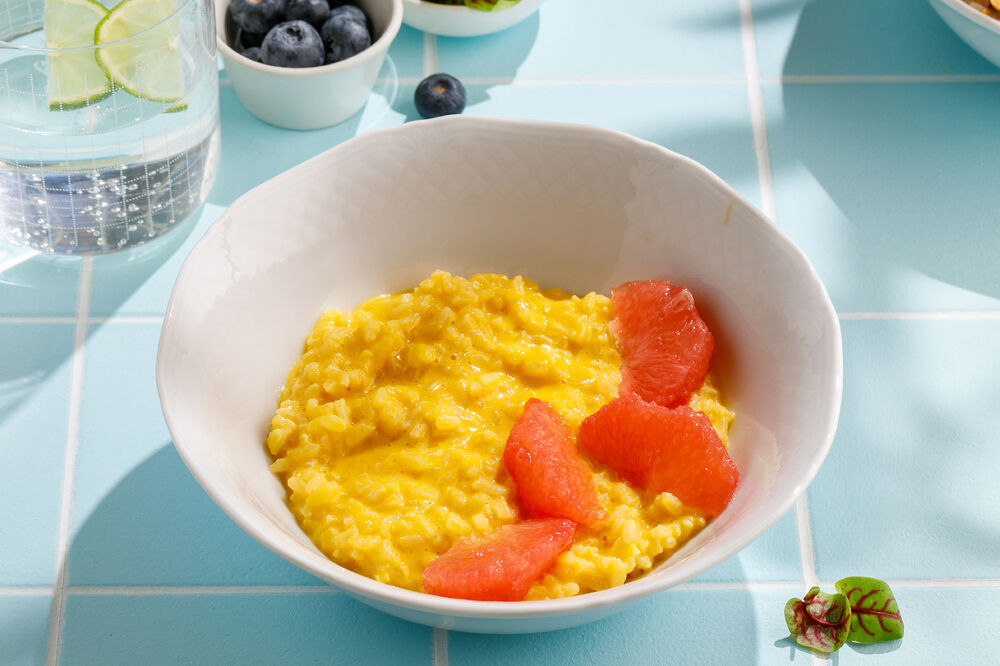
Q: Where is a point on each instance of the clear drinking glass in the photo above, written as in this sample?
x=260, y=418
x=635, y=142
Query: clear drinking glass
x=104, y=146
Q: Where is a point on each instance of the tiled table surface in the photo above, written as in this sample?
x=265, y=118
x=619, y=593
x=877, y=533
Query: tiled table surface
x=865, y=128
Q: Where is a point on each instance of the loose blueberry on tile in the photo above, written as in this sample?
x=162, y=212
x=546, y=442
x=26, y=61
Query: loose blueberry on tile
x=313, y=12
x=292, y=44
x=257, y=16
x=439, y=95
x=253, y=53
x=344, y=36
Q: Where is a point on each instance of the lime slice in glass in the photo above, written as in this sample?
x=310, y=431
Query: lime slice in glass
x=74, y=77
x=148, y=63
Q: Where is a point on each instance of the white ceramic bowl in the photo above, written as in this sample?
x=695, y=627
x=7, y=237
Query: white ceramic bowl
x=976, y=29
x=459, y=21
x=309, y=97
x=568, y=206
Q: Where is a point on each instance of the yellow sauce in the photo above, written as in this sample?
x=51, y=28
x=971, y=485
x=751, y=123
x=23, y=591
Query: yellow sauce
x=390, y=429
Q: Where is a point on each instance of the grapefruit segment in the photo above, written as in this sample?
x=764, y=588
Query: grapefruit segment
x=666, y=346
x=551, y=479
x=502, y=565
x=660, y=449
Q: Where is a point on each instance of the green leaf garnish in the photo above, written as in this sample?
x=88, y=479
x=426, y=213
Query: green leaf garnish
x=862, y=610
x=481, y=5
x=491, y=5
x=874, y=612
x=819, y=621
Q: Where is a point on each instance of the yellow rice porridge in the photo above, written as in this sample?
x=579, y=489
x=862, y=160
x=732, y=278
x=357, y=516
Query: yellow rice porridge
x=390, y=429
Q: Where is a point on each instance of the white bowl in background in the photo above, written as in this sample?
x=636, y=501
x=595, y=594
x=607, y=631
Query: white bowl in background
x=309, y=97
x=460, y=21
x=976, y=29
x=568, y=206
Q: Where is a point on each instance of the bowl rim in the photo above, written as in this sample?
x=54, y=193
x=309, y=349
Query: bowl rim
x=966, y=10
x=379, y=45
x=382, y=593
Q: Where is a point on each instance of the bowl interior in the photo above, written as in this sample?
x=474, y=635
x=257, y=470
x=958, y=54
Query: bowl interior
x=566, y=206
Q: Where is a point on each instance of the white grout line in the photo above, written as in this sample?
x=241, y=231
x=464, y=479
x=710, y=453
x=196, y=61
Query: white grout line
x=740, y=586
x=807, y=555
x=758, y=117
x=128, y=319
x=25, y=591
x=208, y=590
x=430, y=55
x=57, y=615
x=931, y=583
x=686, y=80
x=440, y=647
x=197, y=590
x=37, y=320
x=962, y=314
x=882, y=78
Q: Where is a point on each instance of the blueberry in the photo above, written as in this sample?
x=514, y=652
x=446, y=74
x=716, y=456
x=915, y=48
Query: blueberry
x=292, y=44
x=354, y=12
x=439, y=95
x=313, y=12
x=253, y=53
x=249, y=39
x=257, y=16
x=344, y=37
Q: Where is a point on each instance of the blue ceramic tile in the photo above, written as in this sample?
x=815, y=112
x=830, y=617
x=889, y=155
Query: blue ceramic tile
x=774, y=556
x=34, y=401
x=675, y=627
x=884, y=188
x=909, y=488
x=253, y=151
x=24, y=630
x=33, y=285
x=941, y=626
x=859, y=37
x=406, y=55
x=709, y=123
x=594, y=38
x=139, y=517
x=238, y=629
x=139, y=281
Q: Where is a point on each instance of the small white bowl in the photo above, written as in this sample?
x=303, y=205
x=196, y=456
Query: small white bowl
x=568, y=206
x=976, y=29
x=459, y=21
x=310, y=97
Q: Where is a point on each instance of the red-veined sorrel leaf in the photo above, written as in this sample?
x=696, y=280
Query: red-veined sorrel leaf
x=490, y=5
x=874, y=613
x=819, y=621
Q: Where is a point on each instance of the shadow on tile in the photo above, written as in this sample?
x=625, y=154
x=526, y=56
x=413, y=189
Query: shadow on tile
x=514, y=44
x=24, y=630
x=888, y=37
x=668, y=628
x=900, y=161
x=158, y=527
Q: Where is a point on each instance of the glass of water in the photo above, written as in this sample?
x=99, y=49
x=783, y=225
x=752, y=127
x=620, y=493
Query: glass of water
x=109, y=120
